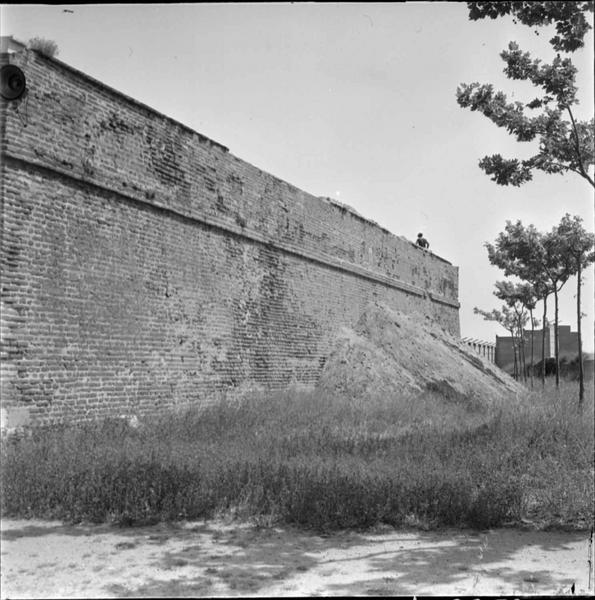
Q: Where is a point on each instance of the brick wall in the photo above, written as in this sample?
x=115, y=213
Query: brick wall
x=145, y=267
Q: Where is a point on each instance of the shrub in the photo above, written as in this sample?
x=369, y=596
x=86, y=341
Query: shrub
x=48, y=48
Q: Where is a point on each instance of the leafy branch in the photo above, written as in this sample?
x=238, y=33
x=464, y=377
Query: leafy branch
x=564, y=145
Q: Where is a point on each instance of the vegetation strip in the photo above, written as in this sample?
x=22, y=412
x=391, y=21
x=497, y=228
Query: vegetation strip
x=317, y=462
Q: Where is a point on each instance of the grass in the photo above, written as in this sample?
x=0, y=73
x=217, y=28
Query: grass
x=318, y=462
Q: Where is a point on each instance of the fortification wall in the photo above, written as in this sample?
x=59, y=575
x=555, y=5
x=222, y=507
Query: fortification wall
x=145, y=267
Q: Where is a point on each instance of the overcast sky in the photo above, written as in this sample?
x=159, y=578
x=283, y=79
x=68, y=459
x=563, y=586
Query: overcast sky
x=352, y=101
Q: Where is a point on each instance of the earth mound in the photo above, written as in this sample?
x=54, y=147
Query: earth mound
x=391, y=353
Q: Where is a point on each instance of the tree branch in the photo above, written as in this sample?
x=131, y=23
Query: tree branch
x=578, y=149
x=577, y=171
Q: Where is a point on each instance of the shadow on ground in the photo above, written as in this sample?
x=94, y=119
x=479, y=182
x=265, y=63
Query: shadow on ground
x=207, y=559
x=263, y=558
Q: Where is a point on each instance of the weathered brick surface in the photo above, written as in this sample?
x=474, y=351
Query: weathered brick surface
x=145, y=267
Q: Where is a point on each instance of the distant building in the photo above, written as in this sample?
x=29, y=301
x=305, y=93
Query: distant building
x=568, y=344
x=485, y=349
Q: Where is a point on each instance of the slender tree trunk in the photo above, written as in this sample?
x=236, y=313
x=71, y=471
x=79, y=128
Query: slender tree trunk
x=532, y=341
x=514, y=352
x=581, y=376
x=524, y=356
x=522, y=360
x=521, y=346
x=543, y=340
x=556, y=341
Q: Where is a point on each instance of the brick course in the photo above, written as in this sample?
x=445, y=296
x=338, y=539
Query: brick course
x=145, y=267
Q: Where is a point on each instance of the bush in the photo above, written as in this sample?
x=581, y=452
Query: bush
x=48, y=48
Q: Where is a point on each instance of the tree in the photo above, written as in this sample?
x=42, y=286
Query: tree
x=519, y=252
x=515, y=296
x=564, y=142
x=558, y=272
x=544, y=260
x=577, y=247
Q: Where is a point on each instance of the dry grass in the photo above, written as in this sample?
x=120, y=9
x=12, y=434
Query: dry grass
x=319, y=462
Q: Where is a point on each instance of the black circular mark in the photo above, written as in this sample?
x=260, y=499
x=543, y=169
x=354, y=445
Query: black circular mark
x=12, y=82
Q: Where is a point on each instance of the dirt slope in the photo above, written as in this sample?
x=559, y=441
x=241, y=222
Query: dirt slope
x=390, y=353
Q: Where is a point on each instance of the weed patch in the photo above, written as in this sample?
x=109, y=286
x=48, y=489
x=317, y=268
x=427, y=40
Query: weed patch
x=317, y=462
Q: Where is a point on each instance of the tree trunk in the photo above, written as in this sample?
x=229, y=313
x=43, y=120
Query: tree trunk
x=556, y=341
x=521, y=346
x=515, y=353
x=523, y=359
x=532, y=341
x=581, y=376
x=543, y=340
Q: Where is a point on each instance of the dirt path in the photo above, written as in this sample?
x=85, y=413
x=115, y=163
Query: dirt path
x=51, y=560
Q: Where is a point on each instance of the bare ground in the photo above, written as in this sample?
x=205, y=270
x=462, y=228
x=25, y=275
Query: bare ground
x=219, y=558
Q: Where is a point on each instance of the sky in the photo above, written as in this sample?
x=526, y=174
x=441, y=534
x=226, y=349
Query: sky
x=353, y=101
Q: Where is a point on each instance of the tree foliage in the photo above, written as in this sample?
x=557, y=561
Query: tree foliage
x=535, y=257
x=568, y=17
x=504, y=316
x=516, y=295
x=576, y=243
x=564, y=142
x=519, y=251
x=539, y=258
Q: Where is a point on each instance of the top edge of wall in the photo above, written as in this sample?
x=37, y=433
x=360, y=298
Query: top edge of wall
x=103, y=86
x=354, y=213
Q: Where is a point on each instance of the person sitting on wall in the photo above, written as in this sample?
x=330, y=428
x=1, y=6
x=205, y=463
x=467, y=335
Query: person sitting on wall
x=422, y=242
